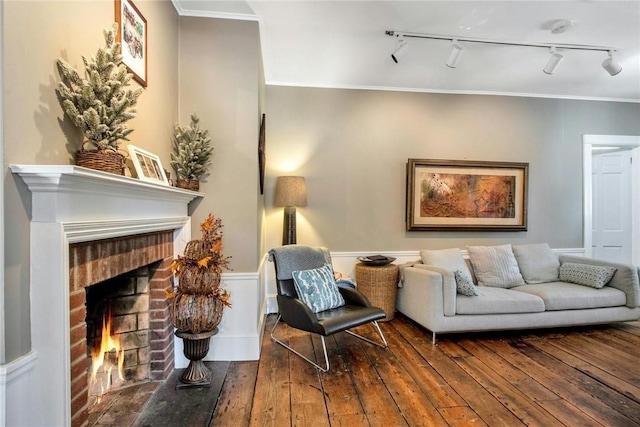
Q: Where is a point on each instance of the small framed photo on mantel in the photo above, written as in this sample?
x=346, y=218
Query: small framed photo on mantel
x=148, y=166
x=132, y=35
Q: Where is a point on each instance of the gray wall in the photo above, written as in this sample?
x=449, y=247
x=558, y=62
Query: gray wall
x=36, y=34
x=352, y=147
x=219, y=79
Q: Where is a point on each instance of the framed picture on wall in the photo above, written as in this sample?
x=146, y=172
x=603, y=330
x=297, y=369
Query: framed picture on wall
x=466, y=195
x=132, y=35
x=148, y=166
x=262, y=157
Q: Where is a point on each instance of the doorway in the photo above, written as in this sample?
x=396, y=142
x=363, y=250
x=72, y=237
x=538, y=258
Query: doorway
x=593, y=144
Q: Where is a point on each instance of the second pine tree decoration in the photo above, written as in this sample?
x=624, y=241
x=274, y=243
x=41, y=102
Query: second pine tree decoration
x=191, y=156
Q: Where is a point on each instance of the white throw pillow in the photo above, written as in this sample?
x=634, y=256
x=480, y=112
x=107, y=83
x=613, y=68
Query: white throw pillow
x=495, y=266
x=447, y=259
x=537, y=262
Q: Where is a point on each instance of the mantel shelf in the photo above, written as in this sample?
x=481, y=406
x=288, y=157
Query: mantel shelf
x=69, y=178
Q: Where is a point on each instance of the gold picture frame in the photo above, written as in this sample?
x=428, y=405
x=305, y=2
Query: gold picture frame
x=462, y=195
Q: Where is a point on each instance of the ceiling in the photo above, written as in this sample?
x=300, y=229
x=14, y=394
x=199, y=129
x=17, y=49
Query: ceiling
x=342, y=44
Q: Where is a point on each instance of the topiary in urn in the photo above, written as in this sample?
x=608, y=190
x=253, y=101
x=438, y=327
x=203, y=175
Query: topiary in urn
x=197, y=304
x=99, y=104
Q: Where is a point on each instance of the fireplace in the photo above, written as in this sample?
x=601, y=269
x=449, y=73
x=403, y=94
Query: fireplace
x=122, y=281
x=86, y=227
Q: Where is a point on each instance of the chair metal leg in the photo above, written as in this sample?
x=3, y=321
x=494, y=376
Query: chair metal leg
x=375, y=324
x=324, y=349
x=433, y=338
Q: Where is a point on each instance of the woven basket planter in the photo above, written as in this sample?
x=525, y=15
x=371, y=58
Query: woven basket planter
x=188, y=184
x=195, y=313
x=197, y=280
x=105, y=161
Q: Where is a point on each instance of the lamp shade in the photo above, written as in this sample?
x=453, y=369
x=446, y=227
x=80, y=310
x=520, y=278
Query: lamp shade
x=290, y=191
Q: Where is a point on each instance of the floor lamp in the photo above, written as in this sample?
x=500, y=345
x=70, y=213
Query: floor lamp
x=291, y=192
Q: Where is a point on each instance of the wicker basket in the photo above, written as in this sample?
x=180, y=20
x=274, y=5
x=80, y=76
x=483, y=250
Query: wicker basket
x=188, y=184
x=380, y=285
x=105, y=161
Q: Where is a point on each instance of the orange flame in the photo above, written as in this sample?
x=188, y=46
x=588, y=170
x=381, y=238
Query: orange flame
x=108, y=343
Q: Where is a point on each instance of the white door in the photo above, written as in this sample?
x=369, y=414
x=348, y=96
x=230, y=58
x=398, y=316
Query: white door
x=612, y=206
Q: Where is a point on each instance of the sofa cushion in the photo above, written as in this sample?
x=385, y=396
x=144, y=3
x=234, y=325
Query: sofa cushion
x=317, y=288
x=447, y=259
x=498, y=301
x=537, y=262
x=595, y=276
x=570, y=296
x=463, y=285
x=495, y=266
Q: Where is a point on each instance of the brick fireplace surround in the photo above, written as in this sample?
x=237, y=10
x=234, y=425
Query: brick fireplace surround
x=127, y=223
x=97, y=261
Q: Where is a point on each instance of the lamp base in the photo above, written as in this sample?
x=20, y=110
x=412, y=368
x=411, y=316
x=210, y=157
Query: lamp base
x=289, y=226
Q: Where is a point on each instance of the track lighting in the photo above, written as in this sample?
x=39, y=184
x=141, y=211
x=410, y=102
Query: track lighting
x=455, y=55
x=402, y=48
x=553, y=62
x=609, y=64
x=612, y=67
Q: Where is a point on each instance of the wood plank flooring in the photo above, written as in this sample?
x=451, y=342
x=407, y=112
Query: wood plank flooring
x=574, y=377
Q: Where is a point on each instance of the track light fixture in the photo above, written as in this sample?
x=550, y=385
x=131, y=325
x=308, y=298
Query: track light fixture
x=455, y=55
x=612, y=67
x=553, y=62
x=609, y=64
x=402, y=48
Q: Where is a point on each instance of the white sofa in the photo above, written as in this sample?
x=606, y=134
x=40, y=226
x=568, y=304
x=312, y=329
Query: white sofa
x=428, y=295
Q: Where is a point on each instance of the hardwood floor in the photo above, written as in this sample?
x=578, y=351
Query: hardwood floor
x=575, y=377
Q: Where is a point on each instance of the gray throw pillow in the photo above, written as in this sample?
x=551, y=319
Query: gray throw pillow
x=317, y=288
x=537, y=262
x=463, y=285
x=495, y=266
x=595, y=276
x=447, y=259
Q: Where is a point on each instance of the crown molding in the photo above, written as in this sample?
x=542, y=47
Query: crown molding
x=452, y=92
x=212, y=14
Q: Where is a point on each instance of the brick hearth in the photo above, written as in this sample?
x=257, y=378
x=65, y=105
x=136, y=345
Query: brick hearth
x=98, y=261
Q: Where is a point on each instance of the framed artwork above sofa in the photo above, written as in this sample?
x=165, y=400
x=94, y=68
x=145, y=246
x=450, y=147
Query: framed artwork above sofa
x=466, y=195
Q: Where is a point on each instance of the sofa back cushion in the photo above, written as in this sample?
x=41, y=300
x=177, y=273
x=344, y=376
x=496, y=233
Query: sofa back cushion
x=537, y=262
x=447, y=259
x=495, y=266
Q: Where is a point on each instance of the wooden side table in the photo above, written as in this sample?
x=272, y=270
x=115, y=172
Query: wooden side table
x=380, y=285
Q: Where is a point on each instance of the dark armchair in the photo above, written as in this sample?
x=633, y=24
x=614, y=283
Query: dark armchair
x=297, y=314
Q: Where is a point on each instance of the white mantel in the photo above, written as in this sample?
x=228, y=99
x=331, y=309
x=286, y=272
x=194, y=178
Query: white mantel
x=71, y=204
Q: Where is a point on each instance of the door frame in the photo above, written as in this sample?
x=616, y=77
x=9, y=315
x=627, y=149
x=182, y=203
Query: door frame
x=622, y=141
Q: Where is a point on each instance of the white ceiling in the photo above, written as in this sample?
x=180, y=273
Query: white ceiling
x=342, y=44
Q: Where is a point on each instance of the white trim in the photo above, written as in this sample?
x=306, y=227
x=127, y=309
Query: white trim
x=345, y=263
x=212, y=14
x=632, y=142
x=240, y=331
x=450, y=92
x=15, y=386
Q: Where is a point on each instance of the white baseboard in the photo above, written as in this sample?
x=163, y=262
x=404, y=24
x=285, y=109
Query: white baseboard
x=345, y=263
x=16, y=387
x=239, y=334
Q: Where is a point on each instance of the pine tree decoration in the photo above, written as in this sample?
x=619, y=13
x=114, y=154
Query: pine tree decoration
x=192, y=150
x=100, y=103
